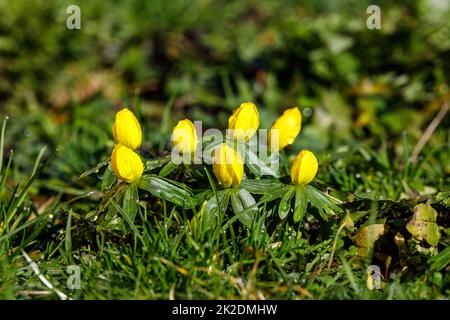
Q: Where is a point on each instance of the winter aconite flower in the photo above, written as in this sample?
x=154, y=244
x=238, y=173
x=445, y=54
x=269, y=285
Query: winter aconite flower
x=244, y=121
x=288, y=127
x=228, y=166
x=127, y=130
x=304, y=168
x=126, y=164
x=184, y=136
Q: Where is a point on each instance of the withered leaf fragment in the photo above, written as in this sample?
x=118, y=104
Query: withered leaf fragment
x=423, y=224
x=366, y=237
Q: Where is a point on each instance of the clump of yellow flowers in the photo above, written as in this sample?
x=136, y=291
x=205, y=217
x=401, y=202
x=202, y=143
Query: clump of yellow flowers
x=125, y=162
x=229, y=165
x=244, y=123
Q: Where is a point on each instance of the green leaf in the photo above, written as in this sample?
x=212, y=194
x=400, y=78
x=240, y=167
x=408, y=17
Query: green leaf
x=423, y=224
x=212, y=209
x=244, y=206
x=166, y=189
x=96, y=169
x=285, y=203
x=201, y=196
x=112, y=219
x=275, y=194
x=441, y=260
x=236, y=203
x=444, y=198
x=319, y=200
x=263, y=186
x=167, y=169
x=257, y=166
x=130, y=201
x=314, y=200
x=301, y=203
x=247, y=199
x=109, y=178
x=156, y=163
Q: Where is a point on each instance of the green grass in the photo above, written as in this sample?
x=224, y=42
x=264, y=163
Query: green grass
x=168, y=251
x=367, y=98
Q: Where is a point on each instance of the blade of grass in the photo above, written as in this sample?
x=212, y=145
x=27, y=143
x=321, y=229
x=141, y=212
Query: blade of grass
x=165, y=121
x=68, y=239
x=38, y=160
x=349, y=273
x=137, y=104
x=2, y=142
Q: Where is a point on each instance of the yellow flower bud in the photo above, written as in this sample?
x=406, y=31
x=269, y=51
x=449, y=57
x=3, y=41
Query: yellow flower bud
x=304, y=168
x=127, y=130
x=288, y=126
x=126, y=164
x=184, y=136
x=228, y=166
x=244, y=121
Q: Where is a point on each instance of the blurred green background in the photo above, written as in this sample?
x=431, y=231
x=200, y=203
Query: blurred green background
x=201, y=59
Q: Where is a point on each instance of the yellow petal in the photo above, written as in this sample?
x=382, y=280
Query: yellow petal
x=127, y=130
x=288, y=127
x=228, y=166
x=184, y=136
x=244, y=121
x=126, y=164
x=304, y=168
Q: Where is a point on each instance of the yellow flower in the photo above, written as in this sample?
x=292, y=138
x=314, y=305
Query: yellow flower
x=127, y=130
x=304, y=168
x=126, y=164
x=288, y=126
x=244, y=121
x=228, y=166
x=184, y=136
